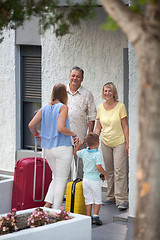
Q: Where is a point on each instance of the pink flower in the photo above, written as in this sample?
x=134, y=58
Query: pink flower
x=62, y=208
x=14, y=210
x=4, y=229
x=15, y=228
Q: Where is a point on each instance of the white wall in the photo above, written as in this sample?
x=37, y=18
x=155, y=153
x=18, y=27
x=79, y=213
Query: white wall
x=7, y=102
x=28, y=34
x=133, y=130
x=97, y=52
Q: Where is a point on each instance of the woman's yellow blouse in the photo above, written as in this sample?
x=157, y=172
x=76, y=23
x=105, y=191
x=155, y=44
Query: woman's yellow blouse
x=112, y=133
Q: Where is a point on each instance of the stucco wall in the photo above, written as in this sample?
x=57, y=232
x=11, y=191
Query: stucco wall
x=97, y=52
x=133, y=129
x=7, y=101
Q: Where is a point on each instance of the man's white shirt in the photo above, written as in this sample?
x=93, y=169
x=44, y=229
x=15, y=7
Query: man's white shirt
x=82, y=109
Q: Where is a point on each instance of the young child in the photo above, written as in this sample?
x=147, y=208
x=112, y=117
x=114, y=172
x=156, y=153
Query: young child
x=92, y=167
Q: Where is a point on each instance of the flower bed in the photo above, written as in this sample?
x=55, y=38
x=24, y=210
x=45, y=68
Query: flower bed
x=76, y=227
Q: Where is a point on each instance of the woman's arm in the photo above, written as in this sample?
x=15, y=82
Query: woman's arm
x=98, y=127
x=126, y=133
x=62, y=122
x=34, y=122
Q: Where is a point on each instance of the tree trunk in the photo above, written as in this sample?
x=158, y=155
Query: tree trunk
x=144, y=33
x=147, y=224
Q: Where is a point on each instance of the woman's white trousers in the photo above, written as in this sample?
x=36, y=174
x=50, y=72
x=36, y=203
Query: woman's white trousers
x=59, y=160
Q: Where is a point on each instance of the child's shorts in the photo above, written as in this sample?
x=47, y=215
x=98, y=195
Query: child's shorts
x=92, y=191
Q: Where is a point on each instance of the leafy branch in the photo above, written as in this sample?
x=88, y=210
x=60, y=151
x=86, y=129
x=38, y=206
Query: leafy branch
x=13, y=13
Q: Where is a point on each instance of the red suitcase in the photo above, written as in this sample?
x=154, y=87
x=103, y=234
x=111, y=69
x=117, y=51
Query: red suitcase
x=31, y=181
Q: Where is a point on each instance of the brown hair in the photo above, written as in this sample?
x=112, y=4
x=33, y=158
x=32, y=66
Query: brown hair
x=59, y=93
x=113, y=88
x=92, y=139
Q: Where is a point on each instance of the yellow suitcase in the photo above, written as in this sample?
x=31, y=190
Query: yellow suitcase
x=74, y=197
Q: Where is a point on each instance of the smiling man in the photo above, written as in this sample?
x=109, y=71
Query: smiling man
x=82, y=109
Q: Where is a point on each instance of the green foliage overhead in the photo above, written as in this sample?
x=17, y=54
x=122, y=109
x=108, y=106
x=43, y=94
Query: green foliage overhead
x=137, y=6
x=110, y=25
x=142, y=2
x=62, y=18
x=14, y=13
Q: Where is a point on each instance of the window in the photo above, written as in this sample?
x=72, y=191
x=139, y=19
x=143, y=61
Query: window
x=31, y=90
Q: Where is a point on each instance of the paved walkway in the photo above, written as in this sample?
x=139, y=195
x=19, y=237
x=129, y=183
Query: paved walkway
x=115, y=225
x=119, y=230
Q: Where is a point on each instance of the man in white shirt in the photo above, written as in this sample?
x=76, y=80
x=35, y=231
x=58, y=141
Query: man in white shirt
x=82, y=109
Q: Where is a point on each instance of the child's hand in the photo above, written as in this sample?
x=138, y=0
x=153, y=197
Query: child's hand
x=76, y=140
x=103, y=177
x=77, y=148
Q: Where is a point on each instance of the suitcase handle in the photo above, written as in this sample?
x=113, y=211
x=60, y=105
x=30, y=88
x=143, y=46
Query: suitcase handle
x=35, y=168
x=73, y=193
x=74, y=169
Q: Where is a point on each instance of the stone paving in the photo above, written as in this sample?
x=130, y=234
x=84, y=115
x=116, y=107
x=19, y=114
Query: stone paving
x=119, y=230
x=115, y=224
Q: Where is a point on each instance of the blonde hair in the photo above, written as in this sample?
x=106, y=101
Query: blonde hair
x=59, y=92
x=113, y=88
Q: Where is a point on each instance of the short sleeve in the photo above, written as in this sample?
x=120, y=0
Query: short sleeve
x=91, y=108
x=122, y=112
x=98, y=112
x=80, y=153
x=99, y=159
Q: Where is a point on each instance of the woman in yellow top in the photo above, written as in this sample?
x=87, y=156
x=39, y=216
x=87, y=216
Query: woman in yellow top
x=113, y=126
